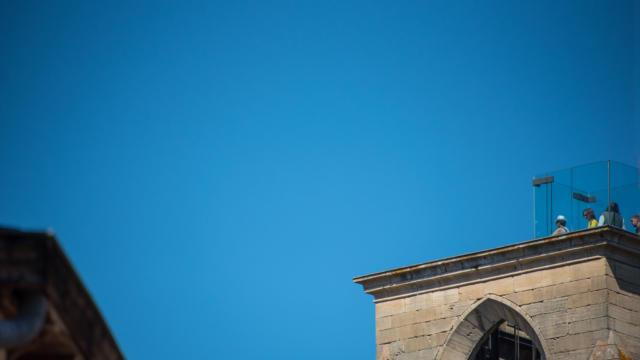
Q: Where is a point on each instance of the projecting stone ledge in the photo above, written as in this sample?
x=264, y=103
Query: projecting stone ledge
x=575, y=296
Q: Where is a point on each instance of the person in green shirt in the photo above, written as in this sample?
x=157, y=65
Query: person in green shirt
x=611, y=216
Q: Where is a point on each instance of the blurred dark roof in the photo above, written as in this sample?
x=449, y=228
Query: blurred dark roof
x=35, y=261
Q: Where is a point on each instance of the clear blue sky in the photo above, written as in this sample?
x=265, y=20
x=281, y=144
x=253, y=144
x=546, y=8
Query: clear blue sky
x=219, y=171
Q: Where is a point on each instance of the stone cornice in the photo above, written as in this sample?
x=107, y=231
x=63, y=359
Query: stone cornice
x=578, y=246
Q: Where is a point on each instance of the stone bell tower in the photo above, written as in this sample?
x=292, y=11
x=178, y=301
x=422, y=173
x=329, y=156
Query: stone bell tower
x=575, y=296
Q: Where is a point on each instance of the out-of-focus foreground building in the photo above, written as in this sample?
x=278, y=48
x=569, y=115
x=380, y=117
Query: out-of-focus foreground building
x=45, y=310
x=575, y=296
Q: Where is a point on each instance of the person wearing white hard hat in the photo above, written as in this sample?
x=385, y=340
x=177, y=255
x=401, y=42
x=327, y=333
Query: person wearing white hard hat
x=561, y=221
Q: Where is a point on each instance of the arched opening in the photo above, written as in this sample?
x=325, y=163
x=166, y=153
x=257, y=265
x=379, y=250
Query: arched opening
x=494, y=329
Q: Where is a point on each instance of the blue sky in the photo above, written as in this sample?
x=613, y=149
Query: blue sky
x=219, y=171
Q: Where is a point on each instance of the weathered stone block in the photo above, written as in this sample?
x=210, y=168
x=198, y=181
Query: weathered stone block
x=413, y=330
x=581, y=354
x=599, y=282
x=588, y=298
x=383, y=323
x=555, y=331
x=424, y=342
x=387, y=308
x=386, y=336
x=455, y=309
x=629, y=316
x=558, y=275
x=552, y=324
x=579, y=341
x=426, y=354
x=523, y=297
x=431, y=299
x=547, y=306
x=499, y=287
x=562, y=290
x=452, y=354
x=587, y=312
x=588, y=325
x=626, y=328
x=625, y=301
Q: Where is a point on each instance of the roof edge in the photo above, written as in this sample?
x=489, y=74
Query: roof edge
x=527, y=252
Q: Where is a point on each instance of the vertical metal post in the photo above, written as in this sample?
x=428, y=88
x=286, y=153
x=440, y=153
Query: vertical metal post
x=495, y=338
x=490, y=346
x=571, y=200
x=550, y=221
x=534, y=210
x=608, y=182
x=516, y=342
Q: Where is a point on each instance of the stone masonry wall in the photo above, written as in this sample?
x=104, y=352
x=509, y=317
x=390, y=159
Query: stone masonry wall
x=571, y=307
x=623, y=304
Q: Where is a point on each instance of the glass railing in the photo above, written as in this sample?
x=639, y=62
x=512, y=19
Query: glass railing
x=593, y=186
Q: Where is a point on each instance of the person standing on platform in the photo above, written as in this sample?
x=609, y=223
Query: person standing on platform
x=635, y=221
x=611, y=216
x=561, y=221
x=590, y=215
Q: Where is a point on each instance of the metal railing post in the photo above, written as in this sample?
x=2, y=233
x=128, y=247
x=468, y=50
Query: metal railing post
x=608, y=182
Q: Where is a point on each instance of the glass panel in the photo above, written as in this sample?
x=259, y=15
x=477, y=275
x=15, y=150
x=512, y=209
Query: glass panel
x=541, y=215
x=590, y=183
x=561, y=204
x=623, y=174
x=625, y=190
x=570, y=191
x=628, y=198
x=591, y=178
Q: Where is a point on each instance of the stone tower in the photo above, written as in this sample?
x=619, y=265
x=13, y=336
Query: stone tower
x=575, y=296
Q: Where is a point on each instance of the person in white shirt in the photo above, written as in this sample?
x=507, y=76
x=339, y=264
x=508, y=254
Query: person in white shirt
x=561, y=221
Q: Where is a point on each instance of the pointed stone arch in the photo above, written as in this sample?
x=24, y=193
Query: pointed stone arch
x=477, y=322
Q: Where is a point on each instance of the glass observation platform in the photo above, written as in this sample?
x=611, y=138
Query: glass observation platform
x=570, y=191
